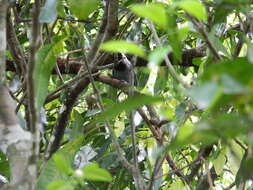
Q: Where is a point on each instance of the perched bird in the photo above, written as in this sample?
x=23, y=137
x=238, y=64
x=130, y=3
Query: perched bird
x=122, y=71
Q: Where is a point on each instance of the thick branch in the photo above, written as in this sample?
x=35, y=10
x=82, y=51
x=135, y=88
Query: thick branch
x=72, y=67
x=16, y=143
x=30, y=80
x=62, y=121
x=3, y=12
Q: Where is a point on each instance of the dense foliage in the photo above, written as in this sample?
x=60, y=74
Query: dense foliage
x=186, y=125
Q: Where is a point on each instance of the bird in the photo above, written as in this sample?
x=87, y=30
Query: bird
x=122, y=71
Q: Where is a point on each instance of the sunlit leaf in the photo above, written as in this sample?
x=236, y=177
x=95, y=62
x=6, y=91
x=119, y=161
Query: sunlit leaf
x=123, y=47
x=154, y=12
x=194, y=8
x=83, y=8
x=234, y=156
x=220, y=161
x=94, y=173
x=60, y=185
x=46, y=59
x=177, y=184
x=62, y=164
x=158, y=55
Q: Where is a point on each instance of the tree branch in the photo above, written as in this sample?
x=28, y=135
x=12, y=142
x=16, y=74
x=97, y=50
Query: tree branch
x=34, y=122
x=72, y=66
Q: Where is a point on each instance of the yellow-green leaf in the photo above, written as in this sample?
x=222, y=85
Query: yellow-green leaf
x=94, y=173
x=153, y=12
x=194, y=8
x=118, y=46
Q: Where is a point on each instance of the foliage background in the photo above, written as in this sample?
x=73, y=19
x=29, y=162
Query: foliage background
x=187, y=124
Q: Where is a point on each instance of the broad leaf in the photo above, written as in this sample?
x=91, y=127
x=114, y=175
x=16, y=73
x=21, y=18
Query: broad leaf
x=60, y=185
x=51, y=172
x=154, y=12
x=83, y=8
x=194, y=8
x=123, y=47
x=127, y=105
x=94, y=173
x=220, y=161
x=158, y=55
x=46, y=59
x=62, y=165
x=205, y=94
x=224, y=127
x=239, y=69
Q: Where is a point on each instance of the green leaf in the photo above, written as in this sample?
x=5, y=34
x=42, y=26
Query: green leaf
x=62, y=164
x=205, y=95
x=231, y=85
x=177, y=184
x=119, y=46
x=48, y=13
x=60, y=185
x=158, y=55
x=94, y=173
x=240, y=69
x=180, y=112
x=154, y=12
x=218, y=45
x=220, y=161
x=234, y=155
x=45, y=61
x=250, y=52
x=161, y=80
x=4, y=165
x=51, y=172
x=126, y=105
x=83, y=8
x=60, y=8
x=224, y=127
x=245, y=171
x=77, y=124
x=194, y=8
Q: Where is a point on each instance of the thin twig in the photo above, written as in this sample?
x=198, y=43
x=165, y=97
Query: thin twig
x=230, y=186
x=77, y=78
x=131, y=118
x=73, y=93
x=200, y=28
x=156, y=170
x=209, y=176
x=241, y=145
x=134, y=170
x=113, y=135
x=178, y=169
